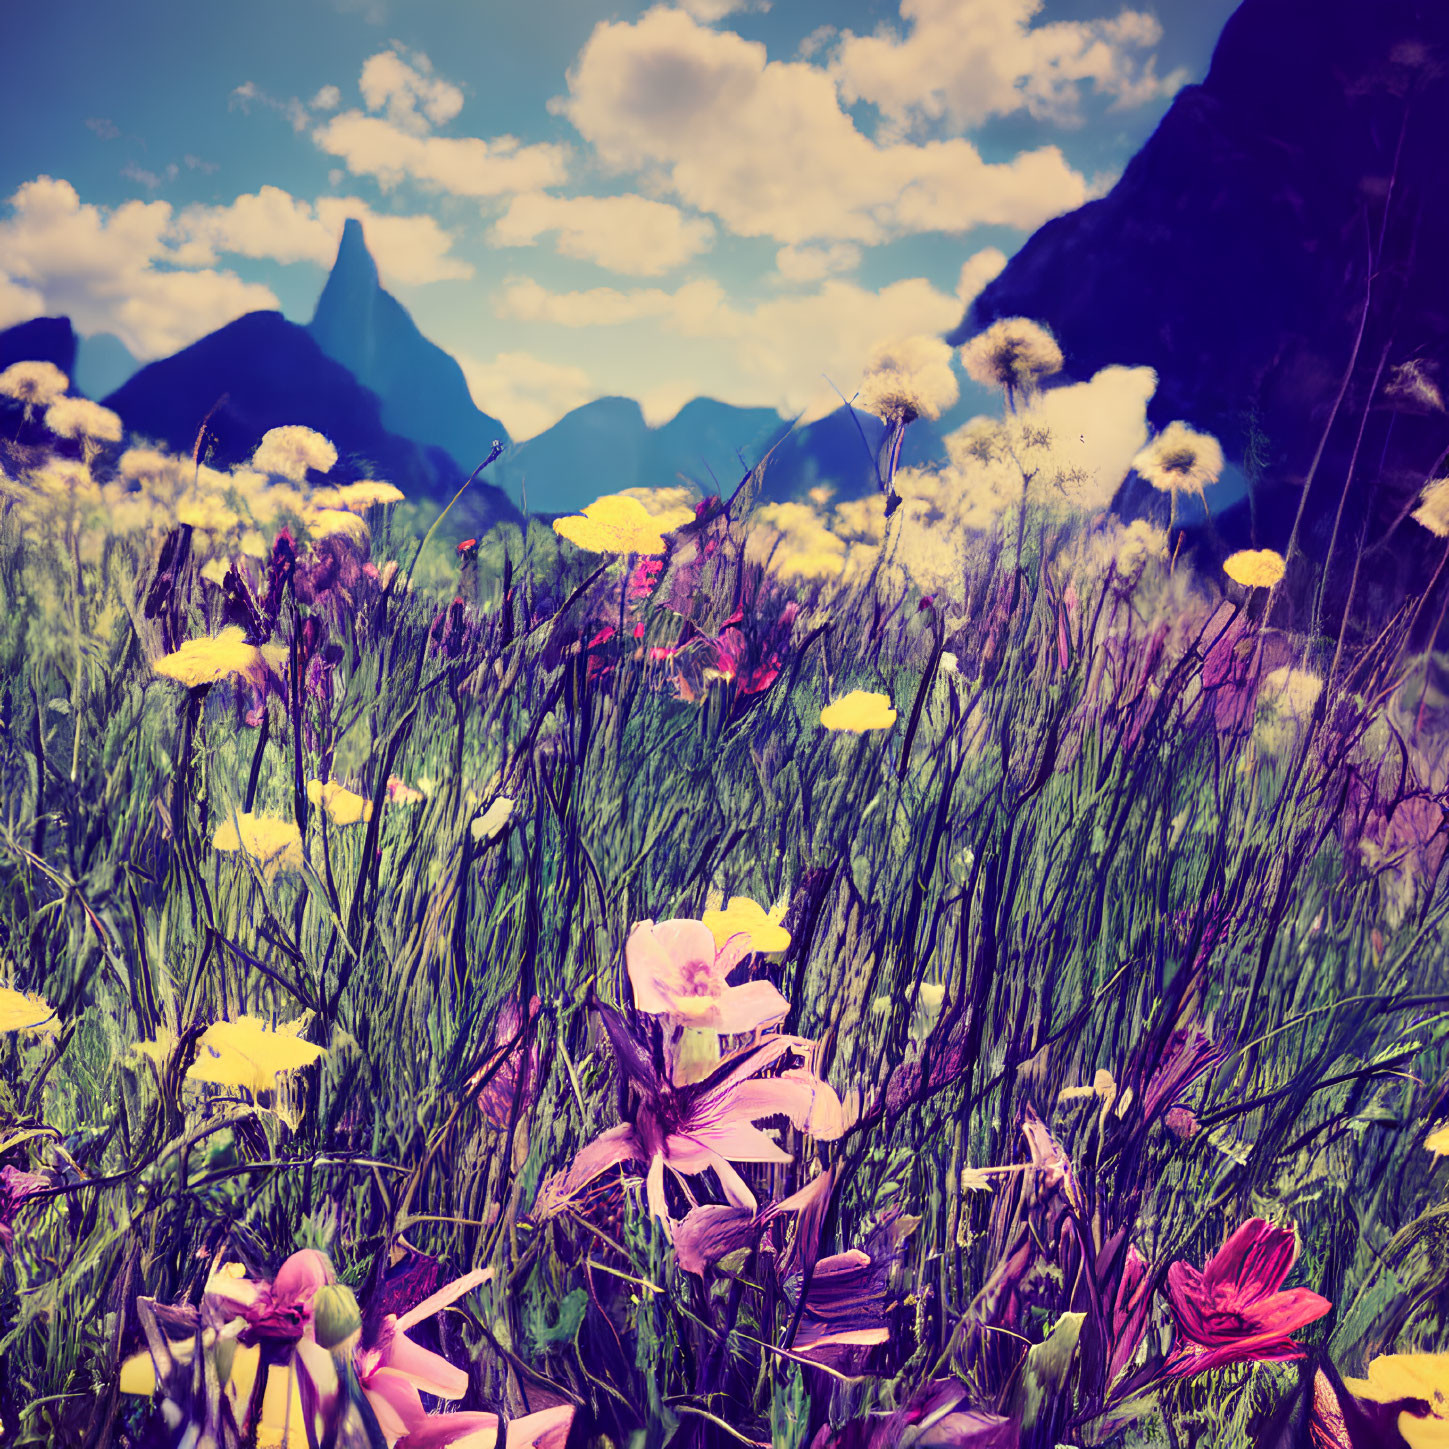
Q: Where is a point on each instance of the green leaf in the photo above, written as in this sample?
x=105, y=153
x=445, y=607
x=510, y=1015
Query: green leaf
x=1044, y=1372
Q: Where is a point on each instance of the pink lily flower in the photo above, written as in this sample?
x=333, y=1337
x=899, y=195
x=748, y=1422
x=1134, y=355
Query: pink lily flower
x=677, y=972
x=1232, y=1311
x=393, y=1369
x=711, y=1125
x=546, y=1429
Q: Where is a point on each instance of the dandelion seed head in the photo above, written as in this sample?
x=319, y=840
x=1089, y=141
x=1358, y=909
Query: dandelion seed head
x=290, y=451
x=34, y=383
x=1014, y=354
x=1181, y=460
x=908, y=378
x=79, y=417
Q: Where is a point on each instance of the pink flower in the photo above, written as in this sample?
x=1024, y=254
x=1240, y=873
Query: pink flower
x=392, y=1368
x=677, y=972
x=1232, y=1311
x=281, y=1309
x=710, y=1125
x=546, y=1429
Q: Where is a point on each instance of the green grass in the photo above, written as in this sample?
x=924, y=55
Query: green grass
x=1059, y=837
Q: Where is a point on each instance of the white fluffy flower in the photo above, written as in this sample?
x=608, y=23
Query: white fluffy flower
x=1179, y=459
x=36, y=384
x=1433, y=509
x=1139, y=544
x=291, y=451
x=907, y=379
x=1013, y=354
x=1292, y=692
x=79, y=417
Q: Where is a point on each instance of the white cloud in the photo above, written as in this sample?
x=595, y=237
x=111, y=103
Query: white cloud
x=711, y=10
x=529, y=301
x=249, y=91
x=1098, y=426
x=327, y=99
x=781, y=351
x=396, y=145
x=962, y=61
x=623, y=233
x=813, y=263
x=462, y=165
x=525, y=393
x=765, y=146
x=413, y=98
x=409, y=250
x=100, y=268
x=977, y=270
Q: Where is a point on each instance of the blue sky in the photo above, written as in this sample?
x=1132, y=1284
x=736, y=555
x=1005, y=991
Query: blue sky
x=574, y=198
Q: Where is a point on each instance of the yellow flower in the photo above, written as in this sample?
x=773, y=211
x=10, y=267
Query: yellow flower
x=159, y=1051
x=1439, y=1141
x=342, y=805
x=743, y=917
x=248, y=1053
x=25, y=1011
x=210, y=660
x=613, y=524
x=1394, y=1376
x=1254, y=568
x=275, y=844
x=859, y=710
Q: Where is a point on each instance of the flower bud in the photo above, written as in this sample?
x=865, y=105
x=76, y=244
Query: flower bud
x=336, y=1318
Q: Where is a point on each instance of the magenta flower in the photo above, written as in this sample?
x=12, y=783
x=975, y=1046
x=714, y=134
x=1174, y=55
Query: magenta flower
x=281, y=1309
x=1233, y=1310
x=677, y=972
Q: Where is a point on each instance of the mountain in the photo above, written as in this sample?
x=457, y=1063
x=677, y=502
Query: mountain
x=42, y=339
x=1276, y=252
x=605, y=446
x=262, y=372
x=102, y=364
x=423, y=392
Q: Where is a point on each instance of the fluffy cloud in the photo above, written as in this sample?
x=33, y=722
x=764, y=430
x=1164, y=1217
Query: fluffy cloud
x=408, y=92
x=623, y=233
x=778, y=348
x=813, y=263
x=396, y=145
x=250, y=92
x=962, y=61
x=409, y=250
x=765, y=146
x=100, y=269
x=977, y=270
x=524, y=392
x=326, y=99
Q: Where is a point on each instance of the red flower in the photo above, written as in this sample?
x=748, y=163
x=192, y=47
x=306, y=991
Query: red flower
x=1233, y=1311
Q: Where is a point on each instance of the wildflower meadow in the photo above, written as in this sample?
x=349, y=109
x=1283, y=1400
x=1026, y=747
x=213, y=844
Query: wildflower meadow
x=949, y=967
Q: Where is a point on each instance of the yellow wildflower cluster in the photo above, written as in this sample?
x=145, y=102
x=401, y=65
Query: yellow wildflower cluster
x=613, y=524
x=274, y=844
x=223, y=655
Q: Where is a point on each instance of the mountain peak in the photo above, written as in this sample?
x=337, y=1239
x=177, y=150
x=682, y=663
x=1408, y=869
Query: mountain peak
x=351, y=285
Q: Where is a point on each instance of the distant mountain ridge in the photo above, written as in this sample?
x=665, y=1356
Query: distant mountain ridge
x=262, y=371
x=423, y=392
x=1276, y=252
